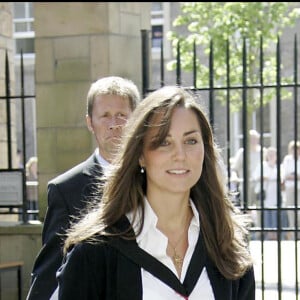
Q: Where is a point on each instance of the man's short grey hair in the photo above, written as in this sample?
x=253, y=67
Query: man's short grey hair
x=113, y=85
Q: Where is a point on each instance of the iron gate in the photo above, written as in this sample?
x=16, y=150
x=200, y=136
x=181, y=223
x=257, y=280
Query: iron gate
x=276, y=267
x=14, y=187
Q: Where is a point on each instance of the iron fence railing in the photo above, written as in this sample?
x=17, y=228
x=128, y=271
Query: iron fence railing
x=283, y=229
x=13, y=184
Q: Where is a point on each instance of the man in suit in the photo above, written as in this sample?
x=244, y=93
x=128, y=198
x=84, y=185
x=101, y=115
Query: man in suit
x=110, y=101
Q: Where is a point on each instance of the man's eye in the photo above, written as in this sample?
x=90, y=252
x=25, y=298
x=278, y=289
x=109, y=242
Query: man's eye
x=120, y=115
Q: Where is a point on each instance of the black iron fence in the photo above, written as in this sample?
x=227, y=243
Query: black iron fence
x=13, y=191
x=14, y=187
x=280, y=282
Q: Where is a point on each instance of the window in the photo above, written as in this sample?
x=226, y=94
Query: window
x=23, y=27
x=157, y=25
x=160, y=18
x=157, y=36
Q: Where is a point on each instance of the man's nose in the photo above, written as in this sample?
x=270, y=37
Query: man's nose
x=114, y=124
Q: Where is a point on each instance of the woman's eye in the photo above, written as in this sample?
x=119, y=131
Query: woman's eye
x=164, y=143
x=191, y=141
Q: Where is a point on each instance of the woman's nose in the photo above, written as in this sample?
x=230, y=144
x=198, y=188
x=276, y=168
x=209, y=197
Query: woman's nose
x=179, y=152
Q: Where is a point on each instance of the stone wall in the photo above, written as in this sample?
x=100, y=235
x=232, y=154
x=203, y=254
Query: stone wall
x=75, y=44
x=6, y=46
x=18, y=242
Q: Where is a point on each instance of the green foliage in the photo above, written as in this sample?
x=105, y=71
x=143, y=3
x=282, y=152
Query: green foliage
x=232, y=23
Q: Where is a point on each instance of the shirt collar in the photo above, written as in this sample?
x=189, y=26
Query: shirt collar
x=103, y=163
x=150, y=219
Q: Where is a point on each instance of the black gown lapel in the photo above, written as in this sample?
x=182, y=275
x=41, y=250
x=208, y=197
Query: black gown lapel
x=196, y=266
x=131, y=250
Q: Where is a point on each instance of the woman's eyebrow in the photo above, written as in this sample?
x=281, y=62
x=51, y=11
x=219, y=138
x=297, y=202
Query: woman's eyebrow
x=192, y=131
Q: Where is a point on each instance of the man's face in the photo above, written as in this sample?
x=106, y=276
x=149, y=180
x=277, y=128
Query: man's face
x=109, y=115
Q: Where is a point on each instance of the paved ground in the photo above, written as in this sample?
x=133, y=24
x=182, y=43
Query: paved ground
x=270, y=249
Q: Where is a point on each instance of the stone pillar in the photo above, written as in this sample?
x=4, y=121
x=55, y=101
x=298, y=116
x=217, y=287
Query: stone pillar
x=7, y=44
x=75, y=44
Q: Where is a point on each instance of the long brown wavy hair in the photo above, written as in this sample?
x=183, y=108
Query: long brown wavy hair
x=223, y=226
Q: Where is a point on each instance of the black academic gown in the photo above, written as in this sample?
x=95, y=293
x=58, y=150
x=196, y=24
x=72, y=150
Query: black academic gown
x=112, y=270
x=68, y=195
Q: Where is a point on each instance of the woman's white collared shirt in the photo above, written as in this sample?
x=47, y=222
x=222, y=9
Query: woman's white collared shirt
x=155, y=242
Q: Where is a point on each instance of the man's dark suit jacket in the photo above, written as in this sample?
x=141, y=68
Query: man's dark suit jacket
x=67, y=196
x=111, y=270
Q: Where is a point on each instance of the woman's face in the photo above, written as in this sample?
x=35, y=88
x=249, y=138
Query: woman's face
x=176, y=165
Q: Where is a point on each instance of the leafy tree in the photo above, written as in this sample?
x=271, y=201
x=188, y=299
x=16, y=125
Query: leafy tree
x=232, y=23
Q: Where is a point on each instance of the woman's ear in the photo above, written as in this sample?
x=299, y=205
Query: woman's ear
x=141, y=161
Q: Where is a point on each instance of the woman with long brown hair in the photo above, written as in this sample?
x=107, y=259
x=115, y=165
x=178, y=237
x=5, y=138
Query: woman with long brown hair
x=165, y=227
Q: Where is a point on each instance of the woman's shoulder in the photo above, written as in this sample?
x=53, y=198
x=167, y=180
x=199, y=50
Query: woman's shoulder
x=86, y=246
x=113, y=237
x=94, y=244
x=92, y=253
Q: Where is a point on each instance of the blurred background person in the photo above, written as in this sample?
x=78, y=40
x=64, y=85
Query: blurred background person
x=290, y=177
x=31, y=169
x=254, y=161
x=269, y=192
